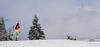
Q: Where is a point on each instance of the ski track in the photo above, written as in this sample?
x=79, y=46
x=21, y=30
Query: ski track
x=49, y=43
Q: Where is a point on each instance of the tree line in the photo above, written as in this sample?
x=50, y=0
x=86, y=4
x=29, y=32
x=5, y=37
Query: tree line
x=35, y=32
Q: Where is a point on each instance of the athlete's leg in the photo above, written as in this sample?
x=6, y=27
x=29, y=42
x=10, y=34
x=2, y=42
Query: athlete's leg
x=17, y=33
x=14, y=33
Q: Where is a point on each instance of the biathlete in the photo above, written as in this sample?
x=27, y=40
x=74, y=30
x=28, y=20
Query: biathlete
x=16, y=30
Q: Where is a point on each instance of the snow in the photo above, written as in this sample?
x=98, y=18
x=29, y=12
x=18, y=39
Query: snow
x=49, y=43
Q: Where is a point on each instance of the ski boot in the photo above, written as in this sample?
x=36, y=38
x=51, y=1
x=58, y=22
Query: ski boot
x=16, y=39
x=10, y=39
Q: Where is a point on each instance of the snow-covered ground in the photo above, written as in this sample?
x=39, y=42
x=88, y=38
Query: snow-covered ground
x=49, y=43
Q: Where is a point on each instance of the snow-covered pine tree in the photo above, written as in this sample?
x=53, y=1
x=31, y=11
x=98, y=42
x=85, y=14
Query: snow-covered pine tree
x=36, y=31
x=71, y=38
x=3, y=33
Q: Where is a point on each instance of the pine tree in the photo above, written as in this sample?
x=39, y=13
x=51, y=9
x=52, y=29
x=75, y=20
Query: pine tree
x=36, y=31
x=3, y=33
x=71, y=38
x=75, y=39
x=68, y=37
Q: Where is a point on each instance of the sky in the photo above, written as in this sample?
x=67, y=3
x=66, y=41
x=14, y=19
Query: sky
x=78, y=18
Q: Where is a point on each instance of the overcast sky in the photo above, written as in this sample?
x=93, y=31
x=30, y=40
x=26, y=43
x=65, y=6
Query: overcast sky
x=78, y=18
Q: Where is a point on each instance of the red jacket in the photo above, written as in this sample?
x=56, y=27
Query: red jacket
x=17, y=26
